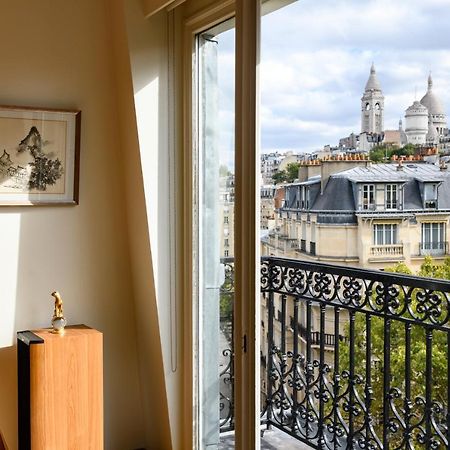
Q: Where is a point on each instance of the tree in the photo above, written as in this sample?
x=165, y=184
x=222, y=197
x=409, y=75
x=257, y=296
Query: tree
x=382, y=152
x=289, y=175
x=379, y=153
x=292, y=172
x=223, y=171
x=397, y=351
x=279, y=177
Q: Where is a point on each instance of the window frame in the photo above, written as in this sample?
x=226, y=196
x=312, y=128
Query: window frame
x=370, y=190
x=383, y=228
x=246, y=215
x=392, y=202
x=441, y=231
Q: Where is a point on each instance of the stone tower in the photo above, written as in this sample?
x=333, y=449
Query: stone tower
x=372, y=105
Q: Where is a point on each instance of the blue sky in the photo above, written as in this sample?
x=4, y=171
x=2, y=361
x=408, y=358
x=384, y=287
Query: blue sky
x=315, y=61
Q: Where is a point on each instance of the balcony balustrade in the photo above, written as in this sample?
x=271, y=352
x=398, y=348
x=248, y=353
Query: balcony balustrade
x=377, y=381
x=386, y=251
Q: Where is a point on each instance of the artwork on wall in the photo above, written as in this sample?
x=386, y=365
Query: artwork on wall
x=39, y=156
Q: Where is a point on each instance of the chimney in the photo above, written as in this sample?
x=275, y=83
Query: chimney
x=339, y=164
x=308, y=170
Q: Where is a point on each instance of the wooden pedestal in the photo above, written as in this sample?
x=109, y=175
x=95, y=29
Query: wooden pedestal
x=60, y=381
x=2, y=443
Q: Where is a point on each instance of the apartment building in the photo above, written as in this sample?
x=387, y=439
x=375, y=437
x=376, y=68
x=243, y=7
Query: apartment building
x=353, y=212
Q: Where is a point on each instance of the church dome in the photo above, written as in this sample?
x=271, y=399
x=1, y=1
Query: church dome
x=372, y=83
x=431, y=101
x=417, y=109
x=432, y=135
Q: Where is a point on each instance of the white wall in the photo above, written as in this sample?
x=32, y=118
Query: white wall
x=58, y=54
x=158, y=319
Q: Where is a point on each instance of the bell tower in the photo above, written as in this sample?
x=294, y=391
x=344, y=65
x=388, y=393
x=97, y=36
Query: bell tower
x=372, y=105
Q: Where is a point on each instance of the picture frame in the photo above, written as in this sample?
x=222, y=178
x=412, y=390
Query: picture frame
x=39, y=156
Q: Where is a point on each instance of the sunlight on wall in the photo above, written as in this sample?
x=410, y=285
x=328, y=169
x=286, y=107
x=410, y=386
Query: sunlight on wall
x=9, y=243
x=148, y=131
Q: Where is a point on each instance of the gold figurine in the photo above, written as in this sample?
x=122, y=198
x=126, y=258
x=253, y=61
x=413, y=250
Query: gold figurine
x=58, y=319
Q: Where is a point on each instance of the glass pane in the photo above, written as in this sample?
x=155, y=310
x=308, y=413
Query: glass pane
x=215, y=166
x=326, y=70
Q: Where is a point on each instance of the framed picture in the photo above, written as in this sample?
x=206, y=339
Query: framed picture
x=39, y=156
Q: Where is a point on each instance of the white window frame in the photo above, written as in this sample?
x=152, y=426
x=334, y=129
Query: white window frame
x=388, y=231
x=431, y=243
x=370, y=189
x=246, y=219
x=391, y=196
x=432, y=200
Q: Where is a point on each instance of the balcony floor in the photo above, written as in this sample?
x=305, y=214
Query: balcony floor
x=273, y=439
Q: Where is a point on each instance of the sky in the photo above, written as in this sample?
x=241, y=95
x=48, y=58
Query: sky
x=316, y=58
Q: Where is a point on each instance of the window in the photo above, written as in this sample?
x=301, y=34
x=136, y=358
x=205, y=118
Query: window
x=385, y=234
x=213, y=185
x=391, y=196
x=430, y=195
x=303, y=229
x=368, y=196
x=433, y=238
x=303, y=197
x=226, y=244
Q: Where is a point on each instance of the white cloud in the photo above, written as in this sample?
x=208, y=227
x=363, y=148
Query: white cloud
x=315, y=62
x=316, y=58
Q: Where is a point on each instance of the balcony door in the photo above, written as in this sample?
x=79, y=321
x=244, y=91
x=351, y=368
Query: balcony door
x=221, y=188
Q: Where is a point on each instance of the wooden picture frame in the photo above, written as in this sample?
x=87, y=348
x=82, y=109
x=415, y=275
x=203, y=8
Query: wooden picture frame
x=39, y=156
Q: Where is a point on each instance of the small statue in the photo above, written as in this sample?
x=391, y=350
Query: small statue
x=58, y=319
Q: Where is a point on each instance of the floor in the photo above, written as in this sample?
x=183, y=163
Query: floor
x=272, y=440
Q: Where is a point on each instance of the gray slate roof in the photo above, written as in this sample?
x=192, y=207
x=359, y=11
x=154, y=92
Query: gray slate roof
x=385, y=173
x=340, y=194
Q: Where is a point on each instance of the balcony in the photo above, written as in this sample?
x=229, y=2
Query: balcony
x=433, y=248
x=387, y=252
x=351, y=358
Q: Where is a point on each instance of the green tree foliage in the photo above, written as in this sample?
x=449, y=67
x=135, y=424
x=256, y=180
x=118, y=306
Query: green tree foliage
x=289, y=175
x=397, y=351
x=381, y=153
x=223, y=171
x=292, y=171
x=279, y=177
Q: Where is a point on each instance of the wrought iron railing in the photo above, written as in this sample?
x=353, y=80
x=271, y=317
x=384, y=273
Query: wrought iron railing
x=226, y=373
x=314, y=335
x=433, y=248
x=382, y=382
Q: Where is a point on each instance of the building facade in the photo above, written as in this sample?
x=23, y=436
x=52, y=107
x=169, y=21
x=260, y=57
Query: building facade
x=361, y=214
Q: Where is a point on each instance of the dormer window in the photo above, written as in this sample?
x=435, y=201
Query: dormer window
x=430, y=195
x=368, y=196
x=391, y=196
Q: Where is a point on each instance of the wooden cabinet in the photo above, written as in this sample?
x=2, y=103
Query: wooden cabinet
x=60, y=382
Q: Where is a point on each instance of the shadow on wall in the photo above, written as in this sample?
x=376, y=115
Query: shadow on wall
x=82, y=252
